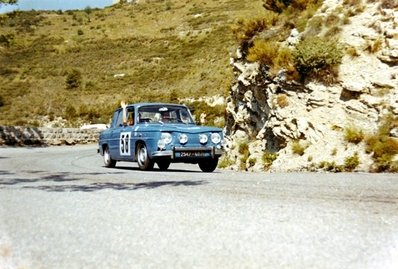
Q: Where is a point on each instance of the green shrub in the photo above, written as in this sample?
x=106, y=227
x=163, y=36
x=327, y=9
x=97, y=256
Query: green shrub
x=299, y=147
x=276, y=5
x=330, y=166
x=271, y=54
x=244, y=148
x=242, y=165
x=73, y=79
x=70, y=112
x=252, y=161
x=353, y=135
x=333, y=32
x=4, y=41
x=316, y=54
x=352, y=51
x=225, y=162
x=351, y=162
x=282, y=101
x=80, y=32
x=244, y=30
x=389, y=4
x=263, y=51
x=374, y=46
x=268, y=159
x=88, y=10
x=383, y=147
x=213, y=113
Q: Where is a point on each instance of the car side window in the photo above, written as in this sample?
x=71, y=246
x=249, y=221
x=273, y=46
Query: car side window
x=130, y=116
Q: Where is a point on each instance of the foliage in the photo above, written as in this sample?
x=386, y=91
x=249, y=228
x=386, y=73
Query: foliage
x=280, y=5
x=263, y=51
x=243, y=148
x=374, y=46
x=353, y=135
x=213, y=113
x=270, y=53
x=330, y=166
x=73, y=79
x=299, y=147
x=156, y=45
x=252, y=162
x=388, y=4
x=268, y=159
x=225, y=162
x=351, y=162
x=245, y=30
x=352, y=51
x=282, y=100
x=8, y=2
x=316, y=54
x=383, y=147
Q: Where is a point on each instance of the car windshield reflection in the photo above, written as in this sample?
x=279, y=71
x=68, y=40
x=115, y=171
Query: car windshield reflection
x=165, y=114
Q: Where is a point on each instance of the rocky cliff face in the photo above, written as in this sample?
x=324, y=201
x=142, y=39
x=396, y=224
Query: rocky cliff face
x=279, y=125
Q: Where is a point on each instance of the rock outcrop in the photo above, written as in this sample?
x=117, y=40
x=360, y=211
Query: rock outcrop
x=272, y=114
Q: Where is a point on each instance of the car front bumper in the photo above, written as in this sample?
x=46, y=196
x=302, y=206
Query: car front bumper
x=189, y=152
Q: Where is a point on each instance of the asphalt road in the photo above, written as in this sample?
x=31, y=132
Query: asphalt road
x=60, y=208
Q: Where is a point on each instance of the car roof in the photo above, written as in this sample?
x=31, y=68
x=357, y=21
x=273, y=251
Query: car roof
x=154, y=104
x=151, y=104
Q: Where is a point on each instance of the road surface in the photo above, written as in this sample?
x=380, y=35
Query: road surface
x=60, y=208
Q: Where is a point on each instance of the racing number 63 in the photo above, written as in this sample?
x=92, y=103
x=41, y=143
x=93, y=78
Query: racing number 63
x=125, y=143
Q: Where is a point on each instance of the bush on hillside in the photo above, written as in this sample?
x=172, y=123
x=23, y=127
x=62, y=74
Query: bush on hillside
x=389, y=4
x=351, y=162
x=353, y=135
x=279, y=6
x=263, y=51
x=247, y=29
x=271, y=54
x=73, y=79
x=317, y=55
x=383, y=147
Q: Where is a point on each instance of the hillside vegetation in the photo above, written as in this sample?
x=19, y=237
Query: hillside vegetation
x=79, y=65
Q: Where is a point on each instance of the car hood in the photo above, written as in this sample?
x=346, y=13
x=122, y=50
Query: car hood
x=181, y=128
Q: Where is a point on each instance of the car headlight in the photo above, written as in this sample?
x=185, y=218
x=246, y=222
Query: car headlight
x=215, y=138
x=166, y=137
x=203, y=138
x=183, y=138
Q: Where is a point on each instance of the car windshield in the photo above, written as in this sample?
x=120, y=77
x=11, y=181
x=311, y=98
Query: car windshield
x=164, y=114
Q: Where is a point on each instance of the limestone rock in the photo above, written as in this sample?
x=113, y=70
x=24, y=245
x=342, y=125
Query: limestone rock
x=271, y=113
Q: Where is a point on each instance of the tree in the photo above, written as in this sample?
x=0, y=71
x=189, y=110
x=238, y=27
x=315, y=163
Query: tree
x=8, y=2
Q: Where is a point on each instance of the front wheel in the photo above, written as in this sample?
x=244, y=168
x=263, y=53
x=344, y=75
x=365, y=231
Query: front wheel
x=108, y=161
x=144, y=162
x=208, y=165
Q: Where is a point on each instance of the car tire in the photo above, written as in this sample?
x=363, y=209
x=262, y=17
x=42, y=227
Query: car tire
x=163, y=165
x=144, y=162
x=108, y=161
x=208, y=165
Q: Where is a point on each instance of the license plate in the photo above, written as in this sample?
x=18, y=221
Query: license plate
x=192, y=154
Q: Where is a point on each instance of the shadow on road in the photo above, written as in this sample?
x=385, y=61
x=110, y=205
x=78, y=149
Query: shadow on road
x=41, y=176
x=116, y=186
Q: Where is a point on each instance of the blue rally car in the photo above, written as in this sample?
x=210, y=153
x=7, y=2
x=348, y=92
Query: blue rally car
x=149, y=133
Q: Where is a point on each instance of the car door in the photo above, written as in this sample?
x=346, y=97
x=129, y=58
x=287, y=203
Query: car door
x=126, y=143
x=114, y=142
